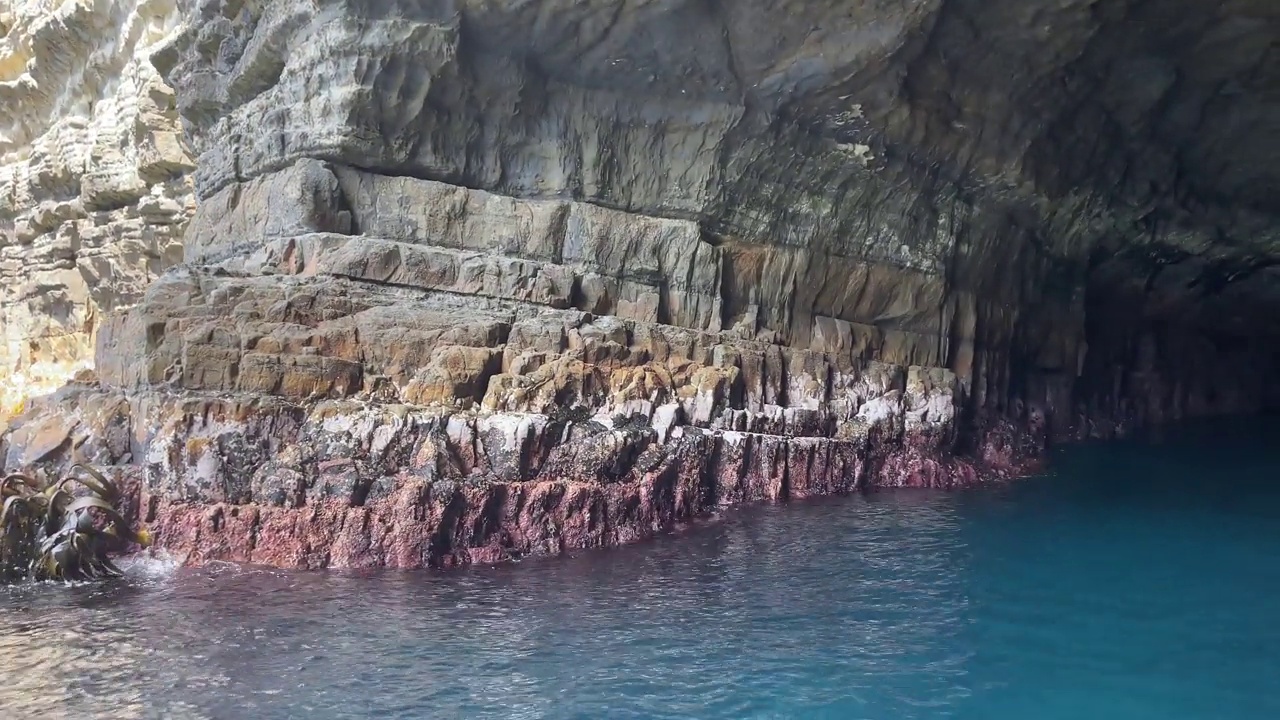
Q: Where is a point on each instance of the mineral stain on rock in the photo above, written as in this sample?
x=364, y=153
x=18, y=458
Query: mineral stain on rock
x=469, y=281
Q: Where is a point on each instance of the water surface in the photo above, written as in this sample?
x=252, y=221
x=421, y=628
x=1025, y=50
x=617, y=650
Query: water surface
x=1134, y=581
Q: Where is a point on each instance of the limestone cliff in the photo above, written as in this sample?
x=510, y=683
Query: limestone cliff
x=473, y=279
x=93, y=193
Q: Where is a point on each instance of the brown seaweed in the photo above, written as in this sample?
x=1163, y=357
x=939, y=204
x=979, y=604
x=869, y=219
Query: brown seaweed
x=62, y=530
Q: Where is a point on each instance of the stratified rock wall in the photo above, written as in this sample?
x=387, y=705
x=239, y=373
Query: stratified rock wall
x=93, y=193
x=469, y=280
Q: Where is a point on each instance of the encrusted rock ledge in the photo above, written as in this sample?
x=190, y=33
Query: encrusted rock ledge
x=356, y=369
x=357, y=484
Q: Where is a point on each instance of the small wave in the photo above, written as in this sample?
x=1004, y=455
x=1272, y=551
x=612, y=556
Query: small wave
x=155, y=565
x=28, y=588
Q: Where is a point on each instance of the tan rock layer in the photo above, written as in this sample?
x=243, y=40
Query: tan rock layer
x=294, y=295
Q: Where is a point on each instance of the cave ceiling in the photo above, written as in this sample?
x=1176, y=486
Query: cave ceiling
x=1160, y=116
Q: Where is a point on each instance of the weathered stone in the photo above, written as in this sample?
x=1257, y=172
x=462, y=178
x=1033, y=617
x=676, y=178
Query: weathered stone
x=93, y=195
x=349, y=484
x=472, y=280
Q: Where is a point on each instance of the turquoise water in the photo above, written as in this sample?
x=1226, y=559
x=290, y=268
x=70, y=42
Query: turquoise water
x=1134, y=582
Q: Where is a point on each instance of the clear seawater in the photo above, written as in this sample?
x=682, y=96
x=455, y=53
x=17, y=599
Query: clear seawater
x=1134, y=581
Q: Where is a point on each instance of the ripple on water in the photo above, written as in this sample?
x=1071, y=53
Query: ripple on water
x=1125, y=586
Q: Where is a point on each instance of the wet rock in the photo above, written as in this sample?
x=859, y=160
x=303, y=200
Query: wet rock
x=339, y=483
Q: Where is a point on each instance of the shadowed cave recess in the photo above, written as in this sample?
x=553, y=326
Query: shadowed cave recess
x=465, y=281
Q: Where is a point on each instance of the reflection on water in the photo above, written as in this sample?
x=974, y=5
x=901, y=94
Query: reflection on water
x=699, y=626
x=1127, y=586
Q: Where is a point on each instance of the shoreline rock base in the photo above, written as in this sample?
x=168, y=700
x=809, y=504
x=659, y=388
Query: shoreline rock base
x=348, y=484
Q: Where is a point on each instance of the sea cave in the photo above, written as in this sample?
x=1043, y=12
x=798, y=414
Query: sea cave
x=403, y=286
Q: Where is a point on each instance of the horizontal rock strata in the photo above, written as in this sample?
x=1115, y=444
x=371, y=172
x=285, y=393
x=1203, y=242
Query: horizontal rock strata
x=347, y=483
x=467, y=281
x=93, y=193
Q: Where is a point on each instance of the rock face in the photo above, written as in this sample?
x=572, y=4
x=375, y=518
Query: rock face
x=470, y=280
x=93, y=192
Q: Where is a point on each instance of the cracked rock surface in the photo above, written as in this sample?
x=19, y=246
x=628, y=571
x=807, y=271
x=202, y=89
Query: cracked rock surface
x=470, y=280
x=93, y=193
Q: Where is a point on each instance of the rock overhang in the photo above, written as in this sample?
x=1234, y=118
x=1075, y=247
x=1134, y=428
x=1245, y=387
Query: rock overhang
x=1159, y=114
